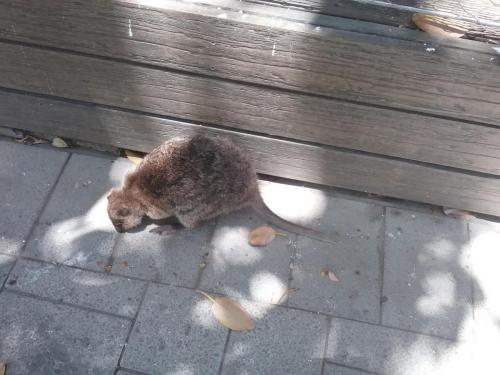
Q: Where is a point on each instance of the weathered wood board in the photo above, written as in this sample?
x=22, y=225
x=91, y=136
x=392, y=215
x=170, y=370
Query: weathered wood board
x=368, y=109
x=253, y=109
x=272, y=156
x=387, y=72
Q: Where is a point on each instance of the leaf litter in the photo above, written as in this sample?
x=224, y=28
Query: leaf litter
x=329, y=274
x=230, y=313
x=134, y=156
x=263, y=236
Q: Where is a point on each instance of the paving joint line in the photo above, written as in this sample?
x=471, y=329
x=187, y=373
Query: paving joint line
x=325, y=349
x=353, y=368
x=64, y=303
x=133, y=372
x=381, y=253
x=132, y=325
x=37, y=219
x=224, y=352
x=292, y=252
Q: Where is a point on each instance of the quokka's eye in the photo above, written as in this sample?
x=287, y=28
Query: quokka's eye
x=123, y=211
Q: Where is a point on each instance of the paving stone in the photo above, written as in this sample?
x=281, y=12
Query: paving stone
x=354, y=259
x=175, y=333
x=6, y=263
x=238, y=269
x=332, y=369
x=426, y=273
x=318, y=209
x=27, y=174
x=284, y=341
x=103, y=292
x=485, y=257
x=39, y=337
x=74, y=228
x=390, y=351
x=171, y=259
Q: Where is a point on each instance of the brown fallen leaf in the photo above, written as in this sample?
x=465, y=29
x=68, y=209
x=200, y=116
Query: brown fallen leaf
x=437, y=26
x=230, y=313
x=458, y=214
x=328, y=273
x=3, y=367
x=31, y=140
x=59, y=142
x=134, y=156
x=262, y=236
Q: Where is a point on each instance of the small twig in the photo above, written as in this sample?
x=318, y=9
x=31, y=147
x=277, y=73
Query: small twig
x=285, y=294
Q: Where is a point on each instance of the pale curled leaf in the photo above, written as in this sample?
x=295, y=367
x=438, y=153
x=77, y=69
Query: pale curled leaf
x=134, y=156
x=437, y=26
x=457, y=214
x=2, y=368
x=261, y=236
x=230, y=313
x=329, y=274
x=59, y=142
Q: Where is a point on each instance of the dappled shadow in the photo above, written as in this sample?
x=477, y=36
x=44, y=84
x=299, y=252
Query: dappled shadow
x=429, y=251
x=420, y=283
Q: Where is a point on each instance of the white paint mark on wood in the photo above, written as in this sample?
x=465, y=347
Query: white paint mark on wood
x=274, y=49
x=130, y=33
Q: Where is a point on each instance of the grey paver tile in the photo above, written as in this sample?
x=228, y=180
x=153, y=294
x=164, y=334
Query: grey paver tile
x=27, y=174
x=318, y=209
x=390, y=351
x=238, y=269
x=332, y=369
x=175, y=333
x=74, y=228
x=6, y=263
x=40, y=337
x=103, y=292
x=426, y=273
x=172, y=259
x=354, y=259
x=284, y=341
x=485, y=257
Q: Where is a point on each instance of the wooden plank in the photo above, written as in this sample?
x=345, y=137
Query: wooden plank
x=414, y=76
x=255, y=109
x=272, y=156
x=347, y=8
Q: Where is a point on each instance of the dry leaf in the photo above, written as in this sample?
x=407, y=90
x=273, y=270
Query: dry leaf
x=230, y=313
x=437, y=25
x=59, y=142
x=134, y=156
x=262, y=236
x=328, y=273
x=458, y=214
x=3, y=367
x=31, y=140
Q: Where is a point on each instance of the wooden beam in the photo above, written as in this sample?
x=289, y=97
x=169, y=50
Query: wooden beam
x=293, y=160
x=434, y=79
x=250, y=108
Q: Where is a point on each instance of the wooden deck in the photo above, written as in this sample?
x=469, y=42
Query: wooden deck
x=313, y=96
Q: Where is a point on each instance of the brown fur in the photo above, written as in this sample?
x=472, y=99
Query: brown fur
x=194, y=179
